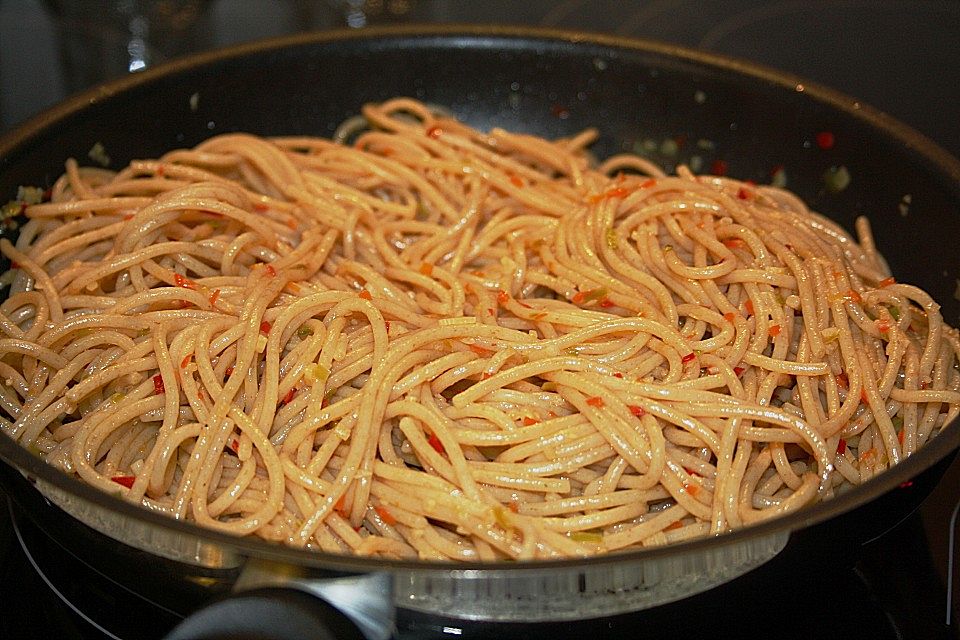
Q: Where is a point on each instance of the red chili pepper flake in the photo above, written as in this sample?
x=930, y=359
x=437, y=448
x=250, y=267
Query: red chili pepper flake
x=646, y=184
x=825, y=140
x=513, y=506
x=560, y=112
x=578, y=297
x=235, y=445
x=749, y=307
x=596, y=401
x=616, y=192
x=486, y=375
x=516, y=181
x=180, y=281
x=617, y=374
x=480, y=351
x=366, y=295
x=738, y=371
x=606, y=303
x=718, y=168
x=271, y=271
x=503, y=297
x=863, y=396
x=426, y=269
x=636, y=410
x=688, y=358
x=734, y=243
x=228, y=372
x=160, y=171
x=386, y=324
x=843, y=380
x=341, y=507
x=774, y=330
x=692, y=472
x=883, y=326
x=528, y=421
x=901, y=435
x=744, y=194
x=852, y=296
x=265, y=327
x=730, y=316
x=287, y=399
x=214, y=297
x=260, y=206
x=385, y=515
x=434, y=442
x=841, y=447
x=186, y=360
x=126, y=481
x=692, y=488
x=434, y=132
x=886, y=282
x=158, y=387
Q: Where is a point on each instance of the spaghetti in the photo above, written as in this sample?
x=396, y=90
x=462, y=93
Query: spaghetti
x=420, y=340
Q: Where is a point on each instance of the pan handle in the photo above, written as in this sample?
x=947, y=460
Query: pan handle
x=268, y=605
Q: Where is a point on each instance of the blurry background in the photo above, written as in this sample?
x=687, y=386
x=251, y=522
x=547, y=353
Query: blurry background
x=902, y=56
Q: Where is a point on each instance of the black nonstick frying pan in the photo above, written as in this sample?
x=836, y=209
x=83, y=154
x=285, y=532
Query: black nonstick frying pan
x=671, y=104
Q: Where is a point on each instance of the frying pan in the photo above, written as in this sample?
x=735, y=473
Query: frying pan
x=672, y=104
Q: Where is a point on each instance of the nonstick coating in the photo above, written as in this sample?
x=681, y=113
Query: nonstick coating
x=642, y=95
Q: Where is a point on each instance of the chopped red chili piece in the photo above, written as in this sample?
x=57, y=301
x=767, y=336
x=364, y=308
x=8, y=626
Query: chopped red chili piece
x=186, y=361
x=265, y=327
x=738, y=371
x=435, y=132
x=527, y=421
x=228, y=372
x=692, y=489
x=271, y=271
x=618, y=375
x=730, y=316
x=180, y=281
x=578, y=297
x=646, y=184
x=513, y=506
x=841, y=447
x=260, y=206
x=214, y=297
x=852, y=296
x=341, y=506
x=606, y=303
x=434, y=442
x=596, y=401
x=636, y=410
x=749, y=307
x=158, y=387
x=287, y=399
x=774, y=330
x=126, y=481
x=688, y=358
x=843, y=380
x=366, y=295
x=744, y=194
x=734, y=243
x=426, y=269
x=883, y=326
x=676, y=524
x=385, y=515
x=886, y=282
x=480, y=351
x=516, y=181
x=503, y=297
x=863, y=396
x=825, y=140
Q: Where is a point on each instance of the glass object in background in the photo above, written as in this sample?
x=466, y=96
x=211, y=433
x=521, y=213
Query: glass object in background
x=104, y=40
